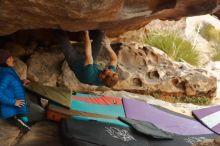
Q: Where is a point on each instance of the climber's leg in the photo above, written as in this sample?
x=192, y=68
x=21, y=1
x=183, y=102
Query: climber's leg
x=97, y=37
x=69, y=52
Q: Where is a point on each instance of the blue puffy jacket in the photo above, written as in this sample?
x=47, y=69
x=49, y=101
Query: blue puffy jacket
x=11, y=89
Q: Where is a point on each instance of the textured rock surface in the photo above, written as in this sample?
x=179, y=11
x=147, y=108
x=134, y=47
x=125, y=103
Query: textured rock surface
x=42, y=134
x=214, y=67
x=20, y=45
x=45, y=67
x=114, y=16
x=15, y=49
x=150, y=70
x=21, y=68
x=8, y=134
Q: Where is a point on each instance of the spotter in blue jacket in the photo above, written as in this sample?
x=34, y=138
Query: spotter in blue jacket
x=11, y=89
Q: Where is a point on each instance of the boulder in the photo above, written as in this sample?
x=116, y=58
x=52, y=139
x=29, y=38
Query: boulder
x=149, y=70
x=16, y=49
x=214, y=67
x=21, y=68
x=21, y=45
x=113, y=16
x=44, y=67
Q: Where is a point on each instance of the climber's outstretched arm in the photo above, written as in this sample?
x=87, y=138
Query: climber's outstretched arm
x=112, y=55
x=88, y=49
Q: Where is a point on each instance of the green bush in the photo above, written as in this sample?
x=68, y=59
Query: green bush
x=216, y=56
x=174, y=46
x=197, y=100
x=210, y=33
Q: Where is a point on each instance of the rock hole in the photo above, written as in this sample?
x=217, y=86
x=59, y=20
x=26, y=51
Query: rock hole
x=175, y=82
x=143, y=63
x=179, y=84
x=154, y=56
x=116, y=47
x=137, y=82
x=140, y=53
x=153, y=75
x=145, y=50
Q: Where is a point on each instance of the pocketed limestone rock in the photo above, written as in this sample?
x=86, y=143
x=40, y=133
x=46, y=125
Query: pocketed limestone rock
x=21, y=68
x=144, y=69
x=45, y=67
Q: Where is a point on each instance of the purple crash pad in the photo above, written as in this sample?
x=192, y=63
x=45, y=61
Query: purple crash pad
x=210, y=117
x=166, y=121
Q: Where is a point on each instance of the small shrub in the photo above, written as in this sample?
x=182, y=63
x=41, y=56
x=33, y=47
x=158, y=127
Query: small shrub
x=197, y=100
x=209, y=32
x=156, y=95
x=174, y=46
x=216, y=57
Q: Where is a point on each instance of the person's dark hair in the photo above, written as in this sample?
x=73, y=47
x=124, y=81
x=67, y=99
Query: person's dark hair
x=110, y=81
x=3, y=65
x=4, y=55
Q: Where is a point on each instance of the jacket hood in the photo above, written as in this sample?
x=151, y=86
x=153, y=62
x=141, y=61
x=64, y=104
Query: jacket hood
x=7, y=69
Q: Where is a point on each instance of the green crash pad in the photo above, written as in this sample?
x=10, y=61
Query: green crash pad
x=58, y=95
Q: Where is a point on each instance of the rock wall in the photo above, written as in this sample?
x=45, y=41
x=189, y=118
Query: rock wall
x=112, y=16
x=44, y=67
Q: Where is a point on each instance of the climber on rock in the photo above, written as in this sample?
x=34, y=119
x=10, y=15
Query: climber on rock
x=83, y=65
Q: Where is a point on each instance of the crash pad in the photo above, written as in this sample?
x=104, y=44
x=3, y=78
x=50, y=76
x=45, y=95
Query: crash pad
x=89, y=107
x=168, y=122
x=93, y=133
x=58, y=95
x=78, y=132
x=210, y=117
